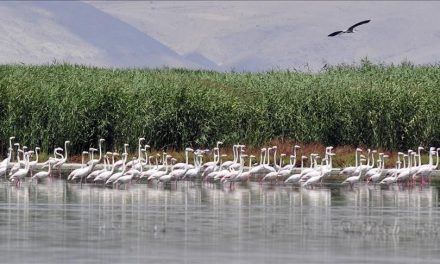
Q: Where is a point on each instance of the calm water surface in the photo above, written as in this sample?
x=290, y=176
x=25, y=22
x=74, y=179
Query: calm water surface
x=60, y=222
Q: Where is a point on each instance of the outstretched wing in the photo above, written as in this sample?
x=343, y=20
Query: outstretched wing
x=358, y=24
x=335, y=33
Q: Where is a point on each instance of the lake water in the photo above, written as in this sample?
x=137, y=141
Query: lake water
x=59, y=222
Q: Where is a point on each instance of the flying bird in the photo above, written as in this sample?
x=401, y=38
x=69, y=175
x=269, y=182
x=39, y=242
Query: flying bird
x=350, y=29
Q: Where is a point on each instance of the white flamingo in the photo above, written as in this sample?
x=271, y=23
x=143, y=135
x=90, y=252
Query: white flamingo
x=294, y=179
x=393, y=178
x=72, y=173
x=264, y=167
x=105, y=175
x=182, y=165
x=96, y=161
x=273, y=176
x=348, y=171
x=56, y=157
x=156, y=175
x=374, y=178
x=234, y=173
x=7, y=161
x=116, y=175
x=244, y=176
x=292, y=164
x=63, y=160
x=138, y=160
x=16, y=165
x=41, y=175
x=20, y=175
x=424, y=171
x=354, y=179
x=95, y=173
x=192, y=174
x=374, y=171
x=317, y=178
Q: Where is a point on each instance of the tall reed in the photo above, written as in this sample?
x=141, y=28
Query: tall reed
x=393, y=107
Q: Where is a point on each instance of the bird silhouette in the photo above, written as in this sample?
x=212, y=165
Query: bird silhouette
x=350, y=29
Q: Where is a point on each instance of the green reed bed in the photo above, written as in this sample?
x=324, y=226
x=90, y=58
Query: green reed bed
x=393, y=107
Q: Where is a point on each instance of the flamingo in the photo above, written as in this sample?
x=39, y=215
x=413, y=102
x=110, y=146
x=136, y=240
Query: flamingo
x=115, y=176
x=105, y=175
x=393, y=178
x=17, y=165
x=374, y=171
x=216, y=173
x=21, y=173
x=146, y=174
x=264, y=167
x=33, y=163
x=273, y=176
x=292, y=164
x=216, y=156
x=244, y=176
x=125, y=179
x=159, y=173
x=120, y=162
x=228, y=163
x=424, y=171
x=354, y=179
x=56, y=157
x=296, y=177
x=237, y=165
x=192, y=174
x=234, y=174
x=83, y=172
x=72, y=173
x=63, y=160
x=275, y=166
x=212, y=165
x=348, y=171
x=95, y=173
x=42, y=174
x=315, y=179
x=391, y=171
x=96, y=161
x=185, y=164
x=405, y=175
x=378, y=174
x=312, y=172
x=7, y=161
x=133, y=162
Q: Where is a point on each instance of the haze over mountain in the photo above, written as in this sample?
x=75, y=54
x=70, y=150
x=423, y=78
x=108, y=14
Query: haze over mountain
x=243, y=36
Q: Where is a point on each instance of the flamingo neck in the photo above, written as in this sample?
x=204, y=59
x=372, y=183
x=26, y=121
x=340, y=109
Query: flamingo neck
x=436, y=163
x=281, y=164
x=65, y=149
x=356, y=158
x=100, y=150
x=268, y=157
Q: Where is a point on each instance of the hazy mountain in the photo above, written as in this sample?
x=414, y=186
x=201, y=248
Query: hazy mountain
x=218, y=35
x=40, y=32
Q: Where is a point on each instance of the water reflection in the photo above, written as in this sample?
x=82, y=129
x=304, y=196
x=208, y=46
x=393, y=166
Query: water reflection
x=190, y=223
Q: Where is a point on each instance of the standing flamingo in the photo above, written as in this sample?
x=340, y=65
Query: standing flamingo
x=62, y=161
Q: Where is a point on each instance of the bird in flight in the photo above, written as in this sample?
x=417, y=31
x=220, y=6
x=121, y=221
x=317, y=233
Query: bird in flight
x=350, y=29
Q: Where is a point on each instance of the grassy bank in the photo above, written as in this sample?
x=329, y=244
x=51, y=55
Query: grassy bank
x=393, y=107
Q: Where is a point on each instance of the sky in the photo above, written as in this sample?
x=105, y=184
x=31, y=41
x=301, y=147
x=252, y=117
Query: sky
x=218, y=35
